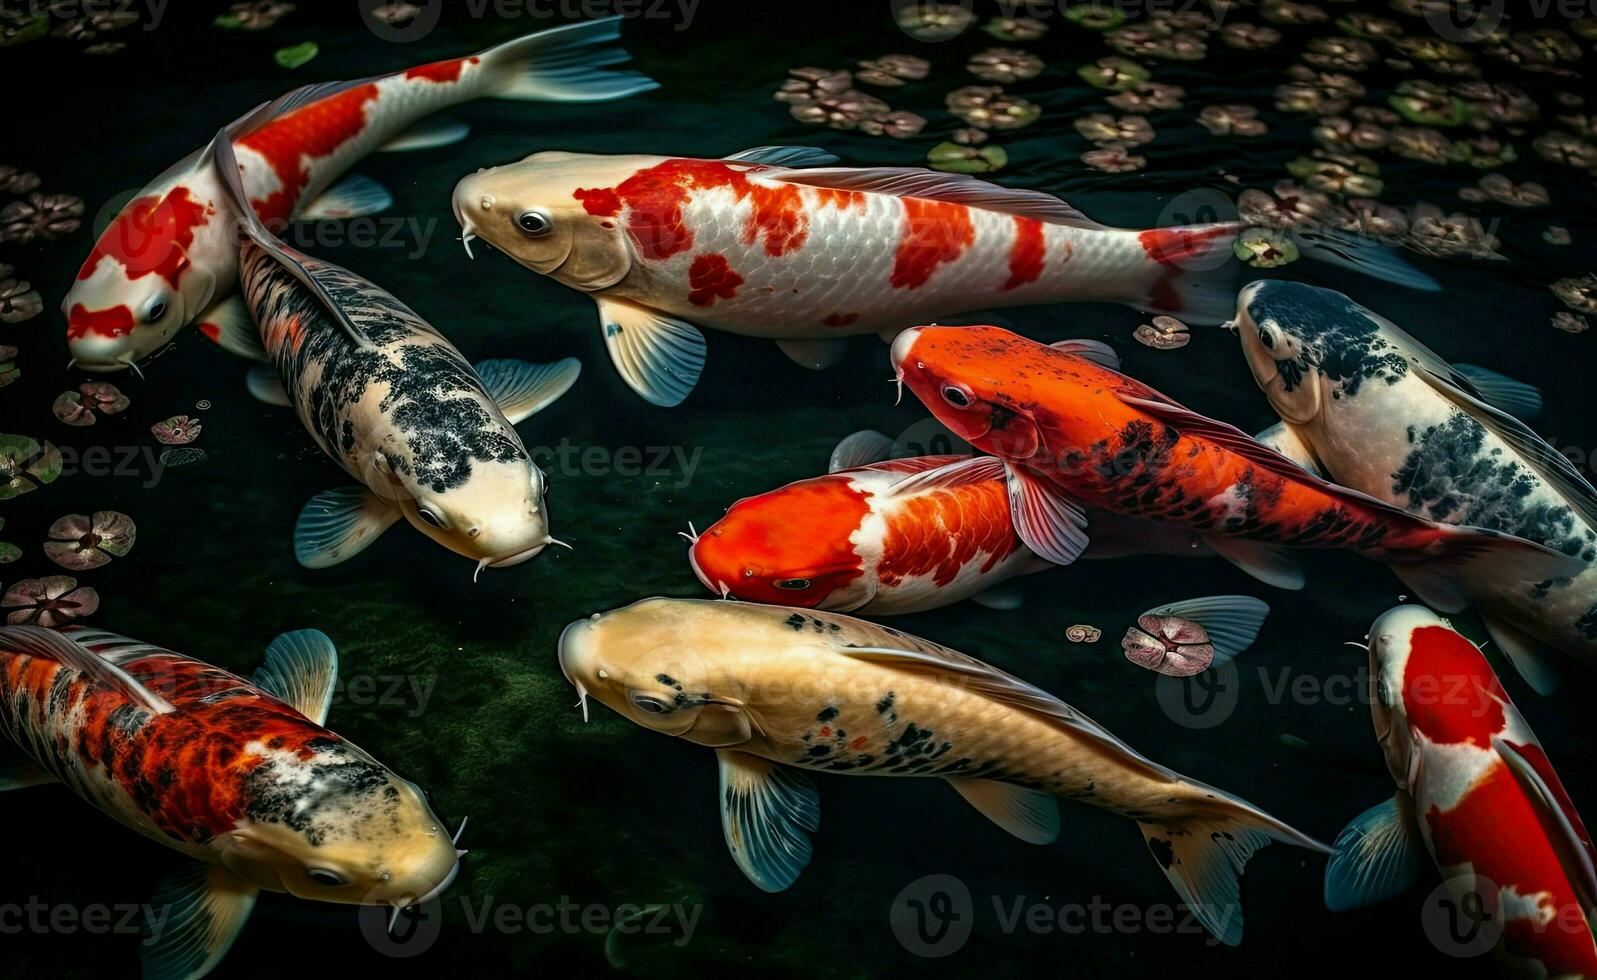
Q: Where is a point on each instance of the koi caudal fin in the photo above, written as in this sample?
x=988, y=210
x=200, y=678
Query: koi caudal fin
x=566, y=64
x=1464, y=563
x=1190, y=272
x=1203, y=855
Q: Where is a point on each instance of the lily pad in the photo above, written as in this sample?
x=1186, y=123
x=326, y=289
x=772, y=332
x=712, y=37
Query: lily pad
x=26, y=464
x=69, y=408
x=1264, y=248
x=187, y=456
x=179, y=430
x=78, y=542
x=299, y=54
x=1114, y=74
x=54, y=600
x=953, y=158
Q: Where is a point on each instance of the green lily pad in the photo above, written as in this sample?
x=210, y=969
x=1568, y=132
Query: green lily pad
x=1094, y=17
x=229, y=22
x=9, y=552
x=1453, y=111
x=23, y=31
x=1114, y=74
x=1264, y=248
x=297, y=55
x=9, y=372
x=955, y=159
x=26, y=465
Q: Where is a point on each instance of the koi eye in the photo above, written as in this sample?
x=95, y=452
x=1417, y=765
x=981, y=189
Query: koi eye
x=1382, y=691
x=154, y=310
x=956, y=397
x=794, y=584
x=1267, y=338
x=653, y=706
x=534, y=223
x=432, y=515
x=322, y=876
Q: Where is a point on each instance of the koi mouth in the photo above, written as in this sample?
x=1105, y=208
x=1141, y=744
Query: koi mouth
x=518, y=557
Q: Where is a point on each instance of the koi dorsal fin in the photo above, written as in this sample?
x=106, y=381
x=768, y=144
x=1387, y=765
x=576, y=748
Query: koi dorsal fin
x=956, y=188
x=36, y=641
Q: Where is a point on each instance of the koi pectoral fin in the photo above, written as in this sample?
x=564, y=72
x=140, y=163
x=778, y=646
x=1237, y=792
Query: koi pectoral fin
x=659, y=357
x=301, y=670
x=1046, y=518
x=1535, y=663
x=1026, y=813
x=194, y=918
x=768, y=812
x=817, y=355
x=1377, y=856
x=339, y=524
x=522, y=389
x=1271, y=564
x=230, y=326
x=352, y=197
x=266, y=386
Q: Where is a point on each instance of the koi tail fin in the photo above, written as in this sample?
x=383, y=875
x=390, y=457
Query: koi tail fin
x=1189, y=273
x=1464, y=563
x=1367, y=258
x=1203, y=855
x=566, y=64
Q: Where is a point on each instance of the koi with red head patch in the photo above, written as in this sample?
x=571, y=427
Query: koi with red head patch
x=889, y=536
x=166, y=260
x=238, y=775
x=1476, y=796
x=1075, y=433
x=756, y=244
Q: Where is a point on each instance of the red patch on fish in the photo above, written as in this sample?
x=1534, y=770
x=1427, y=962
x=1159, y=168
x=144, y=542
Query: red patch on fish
x=803, y=528
x=1450, y=693
x=212, y=331
x=654, y=198
x=935, y=232
x=840, y=319
x=442, y=71
x=842, y=200
x=942, y=531
x=1172, y=246
x=116, y=321
x=185, y=770
x=1495, y=830
x=314, y=130
x=710, y=277
x=151, y=236
x=1026, y=254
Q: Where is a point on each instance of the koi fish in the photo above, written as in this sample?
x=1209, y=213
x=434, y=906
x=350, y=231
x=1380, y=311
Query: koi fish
x=754, y=244
x=237, y=775
x=165, y=261
x=431, y=438
x=777, y=691
x=1076, y=433
x=1476, y=796
x=1365, y=404
x=883, y=536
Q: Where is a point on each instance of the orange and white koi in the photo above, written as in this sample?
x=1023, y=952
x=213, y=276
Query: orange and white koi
x=237, y=775
x=883, y=536
x=1076, y=433
x=755, y=244
x=167, y=260
x=1476, y=796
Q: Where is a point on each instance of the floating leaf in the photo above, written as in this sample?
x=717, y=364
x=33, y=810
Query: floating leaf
x=1263, y=248
x=1082, y=633
x=26, y=465
x=79, y=542
x=69, y=408
x=182, y=457
x=297, y=55
x=103, y=395
x=1164, y=333
x=54, y=600
x=179, y=430
x=953, y=158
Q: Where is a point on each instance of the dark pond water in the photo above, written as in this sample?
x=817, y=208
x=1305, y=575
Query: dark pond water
x=602, y=815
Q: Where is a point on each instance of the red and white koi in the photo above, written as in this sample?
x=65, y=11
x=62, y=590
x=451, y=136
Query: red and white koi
x=238, y=775
x=1476, y=795
x=167, y=260
x=883, y=536
x=753, y=244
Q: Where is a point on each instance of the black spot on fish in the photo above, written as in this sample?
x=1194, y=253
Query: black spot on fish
x=1163, y=851
x=796, y=621
x=826, y=714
